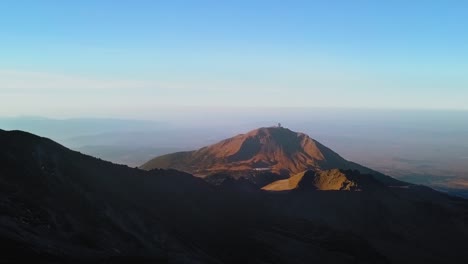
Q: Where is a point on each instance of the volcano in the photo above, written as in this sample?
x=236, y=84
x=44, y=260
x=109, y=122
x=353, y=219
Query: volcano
x=274, y=149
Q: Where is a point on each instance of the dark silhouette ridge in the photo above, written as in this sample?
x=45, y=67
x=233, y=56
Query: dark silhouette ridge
x=58, y=205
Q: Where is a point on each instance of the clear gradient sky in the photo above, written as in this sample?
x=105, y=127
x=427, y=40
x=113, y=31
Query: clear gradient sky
x=129, y=58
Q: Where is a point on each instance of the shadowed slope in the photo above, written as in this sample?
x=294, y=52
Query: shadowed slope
x=57, y=205
x=257, y=178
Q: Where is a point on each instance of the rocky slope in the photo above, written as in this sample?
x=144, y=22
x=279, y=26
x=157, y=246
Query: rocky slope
x=58, y=206
x=328, y=180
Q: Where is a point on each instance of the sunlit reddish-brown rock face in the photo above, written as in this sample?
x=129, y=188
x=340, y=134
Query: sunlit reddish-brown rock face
x=277, y=149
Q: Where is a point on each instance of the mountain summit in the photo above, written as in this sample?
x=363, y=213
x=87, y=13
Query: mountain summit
x=274, y=149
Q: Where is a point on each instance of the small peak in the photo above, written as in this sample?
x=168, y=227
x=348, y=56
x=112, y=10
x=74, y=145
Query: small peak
x=326, y=180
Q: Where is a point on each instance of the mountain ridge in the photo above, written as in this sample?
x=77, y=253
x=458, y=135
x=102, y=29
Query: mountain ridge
x=60, y=206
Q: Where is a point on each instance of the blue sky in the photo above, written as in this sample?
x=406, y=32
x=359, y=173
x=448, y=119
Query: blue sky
x=128, y=58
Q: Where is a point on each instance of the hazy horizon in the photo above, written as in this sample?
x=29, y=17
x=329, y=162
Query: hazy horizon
x=383, y=84
x=188, y=113
x=427, y=147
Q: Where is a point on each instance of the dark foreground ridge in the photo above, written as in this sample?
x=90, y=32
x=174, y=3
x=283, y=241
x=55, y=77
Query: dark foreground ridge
x=57, y=205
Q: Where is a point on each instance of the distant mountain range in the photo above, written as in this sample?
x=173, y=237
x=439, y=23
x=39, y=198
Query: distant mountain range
x=60, y=206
